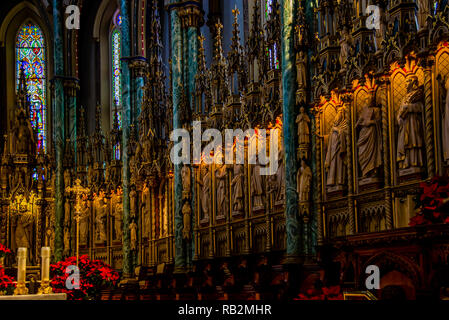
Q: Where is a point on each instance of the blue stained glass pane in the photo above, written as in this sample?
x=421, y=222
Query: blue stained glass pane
x=116, y=72
x=30, y=53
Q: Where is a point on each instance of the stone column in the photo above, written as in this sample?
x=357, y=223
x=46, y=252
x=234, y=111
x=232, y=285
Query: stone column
x=138, y=66
x=58, y=128
x=177, y=75
x=126, y=116
x=289, y=101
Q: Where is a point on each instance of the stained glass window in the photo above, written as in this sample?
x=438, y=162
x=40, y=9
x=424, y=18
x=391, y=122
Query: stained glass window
x=272, y=52
x=30, y=54
x=116, y=73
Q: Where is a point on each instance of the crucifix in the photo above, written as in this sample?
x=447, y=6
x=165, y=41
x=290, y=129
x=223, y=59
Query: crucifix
x=78, y=190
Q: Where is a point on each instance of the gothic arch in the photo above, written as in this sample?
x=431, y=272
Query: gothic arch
x=23, y=13
x=388, y=261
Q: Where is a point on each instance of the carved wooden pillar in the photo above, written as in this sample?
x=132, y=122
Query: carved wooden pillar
x=383, y=100
x=248, y=207
x=429, y=125
x=318, y=185
x=347, y=103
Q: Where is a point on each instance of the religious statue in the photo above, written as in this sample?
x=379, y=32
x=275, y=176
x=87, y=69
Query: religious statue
x=187, y=221
x=100, y=218
x=23, y=224
x=280, y=178
x=67, y=178
x=237, y=185
x=304, y=182
x=369, y=142
x=118, y=218
x=303, y=122
x=133, y=229
x=24, y=137
x=146, y=210
x=67, y=241
x=205, y=184
x=84, y=223
x=410, y=137
x=336, y=150
x=301, y=68
x=220, y=175
x=423, y=12
x=345, y=46
x=133, y=202
x=186, y=184
x=257, y=188
x=67, y=212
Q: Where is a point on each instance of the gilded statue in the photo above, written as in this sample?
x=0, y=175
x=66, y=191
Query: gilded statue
x=84, y=222
x=23, y=224
x=237, y=185
x=24, y=137
x=187, y=221
x=100, y=217
x=410, y=137
x=304, y=182
x=369, y=142
x=133, y=202
x=133, y=229
x=186, y=184
x=146, y=210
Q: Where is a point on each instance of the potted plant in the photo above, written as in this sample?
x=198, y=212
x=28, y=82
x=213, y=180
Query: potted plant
x=432, y=203
x=94, y=276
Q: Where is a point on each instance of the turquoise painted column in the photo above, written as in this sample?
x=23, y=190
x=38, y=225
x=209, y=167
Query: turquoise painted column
x=289, y=102
x=177, y=75
x=126, y=115
x=58, y=128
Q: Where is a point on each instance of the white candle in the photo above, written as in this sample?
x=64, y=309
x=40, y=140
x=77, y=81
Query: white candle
x=45, y=252
x=21, y=264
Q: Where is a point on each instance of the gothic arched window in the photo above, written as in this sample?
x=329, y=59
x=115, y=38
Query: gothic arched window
x=272, y=52
x=30, y=55
x=115, y=71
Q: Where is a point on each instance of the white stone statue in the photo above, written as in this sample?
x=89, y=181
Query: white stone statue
x=257, y=188
x=220, y=175
x=187, y=221
x=336, y=150
x=118, y=219
x=369, y=142
x=133, y=203
x=100, y=218
x=237, y=189
x=205, y=194
x=186, y=184
x=301, y=66
x=410, y=137
x=280, y=178
x=303, y=122
x=345, y=46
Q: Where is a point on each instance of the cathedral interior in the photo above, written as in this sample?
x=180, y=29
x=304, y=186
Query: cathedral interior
x=357, y=91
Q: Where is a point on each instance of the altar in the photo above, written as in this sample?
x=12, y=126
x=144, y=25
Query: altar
x=43, y=297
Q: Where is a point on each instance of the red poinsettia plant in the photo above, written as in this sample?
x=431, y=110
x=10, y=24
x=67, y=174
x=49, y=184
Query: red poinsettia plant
x=94, y=276
x=7, y=283
x=4, y=251
x=330, y=293
x=432, y=203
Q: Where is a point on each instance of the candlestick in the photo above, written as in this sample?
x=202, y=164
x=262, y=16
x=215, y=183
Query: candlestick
x=45, y=265
x=21, y=288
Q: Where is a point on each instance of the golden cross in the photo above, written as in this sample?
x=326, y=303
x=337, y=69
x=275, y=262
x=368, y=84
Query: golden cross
x=235, y=12
x=219, y=26
x=78, y=190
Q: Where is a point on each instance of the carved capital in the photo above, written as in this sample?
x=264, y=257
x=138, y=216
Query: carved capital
x=139, y=66
x=191, y=15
